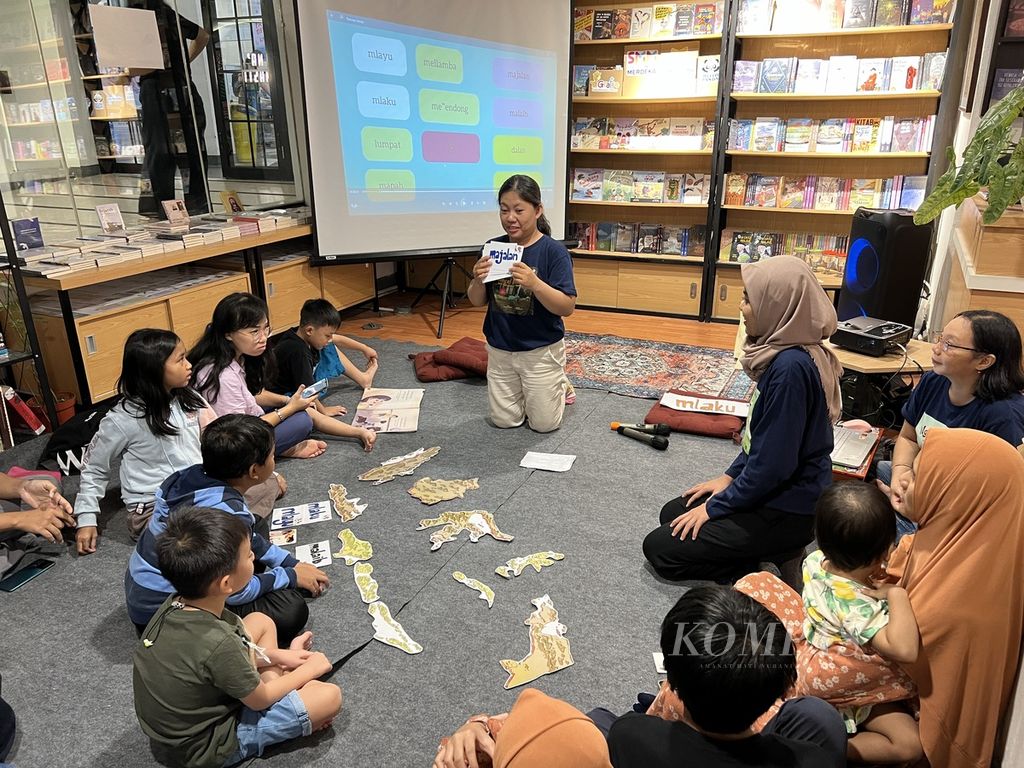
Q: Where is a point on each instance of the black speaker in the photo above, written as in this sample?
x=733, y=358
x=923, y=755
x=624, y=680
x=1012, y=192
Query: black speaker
x=885, y=266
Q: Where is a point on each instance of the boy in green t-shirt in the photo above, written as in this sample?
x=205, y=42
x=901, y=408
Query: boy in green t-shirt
x=212, y=689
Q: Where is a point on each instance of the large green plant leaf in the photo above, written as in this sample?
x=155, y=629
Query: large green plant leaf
x=981, y=166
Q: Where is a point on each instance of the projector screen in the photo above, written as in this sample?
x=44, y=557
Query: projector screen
x=418, y=110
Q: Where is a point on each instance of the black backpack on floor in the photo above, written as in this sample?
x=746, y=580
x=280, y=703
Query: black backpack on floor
x=66, y=449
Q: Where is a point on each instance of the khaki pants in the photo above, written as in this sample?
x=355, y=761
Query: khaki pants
x=527, y=386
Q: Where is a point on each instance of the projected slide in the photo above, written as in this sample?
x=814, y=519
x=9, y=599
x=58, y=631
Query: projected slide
x=434, y=123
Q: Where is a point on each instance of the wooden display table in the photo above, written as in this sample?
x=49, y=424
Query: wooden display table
x=919, y=359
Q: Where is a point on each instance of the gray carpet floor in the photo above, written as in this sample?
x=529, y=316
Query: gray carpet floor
x=67, y=641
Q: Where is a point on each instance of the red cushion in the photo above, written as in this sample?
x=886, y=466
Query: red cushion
x=710, y=424
x=468, y=354
x=428, y=370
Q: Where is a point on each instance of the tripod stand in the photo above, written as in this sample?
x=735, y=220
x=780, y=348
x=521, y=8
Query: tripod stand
x=447, y=294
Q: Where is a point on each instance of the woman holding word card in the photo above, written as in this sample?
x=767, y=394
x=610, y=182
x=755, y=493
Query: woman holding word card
x=528, y=288
x=762, y=507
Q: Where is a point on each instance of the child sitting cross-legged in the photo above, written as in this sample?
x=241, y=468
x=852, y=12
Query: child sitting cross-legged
x=212, y=689
x=846, y=606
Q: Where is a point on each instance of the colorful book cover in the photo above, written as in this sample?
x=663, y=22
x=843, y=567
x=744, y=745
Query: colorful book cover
x=826, y=193
x=798, y=134
x=735, y=189
x=842, y=74
x=581, y=78
x=865, y=134
x=741, y=133
x=811, y=76
x=864, y=193
x=651, y=132
x=618, y=186
x=663, y=20
x=859, y=14
x=762, y=246
x=793, y=191
x=648, y=186
x=740, y=249
x=890, y=13
x=606, y=82
x=587, y=183
x=604, y=23
x=604, y=240
x=685, y=133
x=933, y=67
x=930, y=11
x=707, y=75
x=905, y=73
x=871, y=75
x=622, y=130
x=707, y=138
x=621, y=23
x=695, y=188
x=673, y=188
x=640, y=22
x=830, y=135
x=766, y=192
x=583, y=24
x=906, y=135
x=776, y=75
x=704, y=19
x=671, y=240
x=625, y=237
x=766, y=134
x=590, y=131
x=648, y=238
x=745, y=75
x=684, y=19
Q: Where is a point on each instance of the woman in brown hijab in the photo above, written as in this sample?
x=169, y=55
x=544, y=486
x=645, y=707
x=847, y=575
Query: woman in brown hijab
x=539, y=732
x=964, y=571
x=762, y=507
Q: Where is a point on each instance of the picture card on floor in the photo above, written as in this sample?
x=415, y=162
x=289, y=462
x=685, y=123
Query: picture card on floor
x=283, y=538
x=317, y=554
x=301, y=514
x=389, y=410
x=552, y=462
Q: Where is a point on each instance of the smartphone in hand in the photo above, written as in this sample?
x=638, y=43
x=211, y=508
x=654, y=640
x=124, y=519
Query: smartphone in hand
x=314, y=389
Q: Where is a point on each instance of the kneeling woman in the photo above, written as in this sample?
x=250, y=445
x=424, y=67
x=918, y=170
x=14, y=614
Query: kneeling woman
x=525, y=352
x=762, y=508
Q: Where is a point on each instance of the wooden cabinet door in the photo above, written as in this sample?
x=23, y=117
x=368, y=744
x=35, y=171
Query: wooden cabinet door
x=597, y=282
x=347, y=285
x=659, y=287
x=289, y=286
x=102, y=341
x=728, y=292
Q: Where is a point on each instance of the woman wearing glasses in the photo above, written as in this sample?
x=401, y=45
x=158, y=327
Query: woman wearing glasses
x=975, y=382
x=231, y=367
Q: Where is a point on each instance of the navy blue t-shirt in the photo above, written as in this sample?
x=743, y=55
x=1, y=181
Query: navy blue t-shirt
x=787, y=444
x=929, y=406
x=516, y=321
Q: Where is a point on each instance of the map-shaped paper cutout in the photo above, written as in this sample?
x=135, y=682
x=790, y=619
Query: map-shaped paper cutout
x=478, y=522
x=537, y=560
x=353, y=550
x=346, y=508
x=432, y=491
x=400, y=465
x=389, y=631
x=549, y=649
x=486, y=593
x=366, y=583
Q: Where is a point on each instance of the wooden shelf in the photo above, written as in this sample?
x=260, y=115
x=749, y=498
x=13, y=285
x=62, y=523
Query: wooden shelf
x=37, y=160
x=83, y=36
x=830, y=155
x=829, y=280
x=645, y=40
x=113, y=119
x=667, y=152
x=40, y=84
x=153, y=263
x=862, y=96
x=36, y=124
x=638, y=205
x=624, y=256
x=904, y=29
x=620, y=100
x=810, y=211
x=119, y=157
x=104, y=77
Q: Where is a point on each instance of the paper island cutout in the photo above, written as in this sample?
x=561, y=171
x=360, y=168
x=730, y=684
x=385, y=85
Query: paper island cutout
x=478, y=522
x=400, y=465
x=353, y=550
x=366, y=583
x=537, y=560
x=432, y=491
x=486, y=593
x=389, y=631
x=346, y=508
x=549, y=649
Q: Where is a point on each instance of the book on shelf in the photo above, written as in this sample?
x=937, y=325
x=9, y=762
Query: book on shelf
x=663, y=20
x=741, y=132
x=793, y=192
x=648, y=186
x=906, y=135
x=625, y=237
x=859, y=14
x=1014, y=26
x=640, y=73
x=661, y=74
x=891, y=13
x=905, y=74
x=605, y=82
x=811, y=76
x=684, y=133
x=798, y=134
x=777, y=75
x=648, y=238
x=704, y=18
x=673, y=188
x=583, y=24
x=763, y=245
x=707, y=75
x=912, y=193
x=872, y=74
x=745, y=76
x=684, y=19
x=796, y=16
x=930, y=11
x=933, y=68
x=618, y=186
x=590, y=132
x=640, y=21
x=587, y=183
x=651, y=133
x=111, y=221
x=864, y=193
x=766, y=134
x=842, y=74
x=696, y=188
x=605, y=236
x=755, y=16
x=739, y=250
x=27, y=233
x=735, y=189
x=1005, y=80
x=765, y=192
x=581, y=78
x=866, y=131
x=671, y=240
x=604, y=24
x=621, y=131
x=621, y=23
x=707, y=138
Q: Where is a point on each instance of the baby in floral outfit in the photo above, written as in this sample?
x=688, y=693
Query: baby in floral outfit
x=849, y=612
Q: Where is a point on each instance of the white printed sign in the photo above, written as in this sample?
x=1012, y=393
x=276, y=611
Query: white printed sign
x=502, y=256
x=700, y=404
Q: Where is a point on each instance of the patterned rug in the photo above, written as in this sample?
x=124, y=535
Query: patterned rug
x=641, y=368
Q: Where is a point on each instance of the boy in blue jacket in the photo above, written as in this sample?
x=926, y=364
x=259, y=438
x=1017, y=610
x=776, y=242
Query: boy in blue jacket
x=238, y=454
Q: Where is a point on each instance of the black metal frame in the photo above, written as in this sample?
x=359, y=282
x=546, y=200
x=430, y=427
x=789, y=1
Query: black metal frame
x=447, y=294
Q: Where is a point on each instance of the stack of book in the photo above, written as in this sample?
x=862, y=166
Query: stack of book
x=662, y=21
x=824, y=252
x=188, y=239
x=650, y=74
x=840, y=74
x=617, y=186
x=622, y=237
x=661, y=133
x=833, y=135
x=263, y=222
x=758, y=16
x=822, y=193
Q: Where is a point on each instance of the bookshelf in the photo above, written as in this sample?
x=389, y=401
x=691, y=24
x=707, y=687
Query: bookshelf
x=618, y=278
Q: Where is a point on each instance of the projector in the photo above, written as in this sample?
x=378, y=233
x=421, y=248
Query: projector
x=869, y=336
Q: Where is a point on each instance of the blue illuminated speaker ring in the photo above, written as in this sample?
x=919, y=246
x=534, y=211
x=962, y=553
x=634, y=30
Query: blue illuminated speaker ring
x=863, y=266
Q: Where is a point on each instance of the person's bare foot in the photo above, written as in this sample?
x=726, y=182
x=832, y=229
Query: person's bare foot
x=282, y=485
x=368, y=375
x=303, y=642
x=307, y=449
